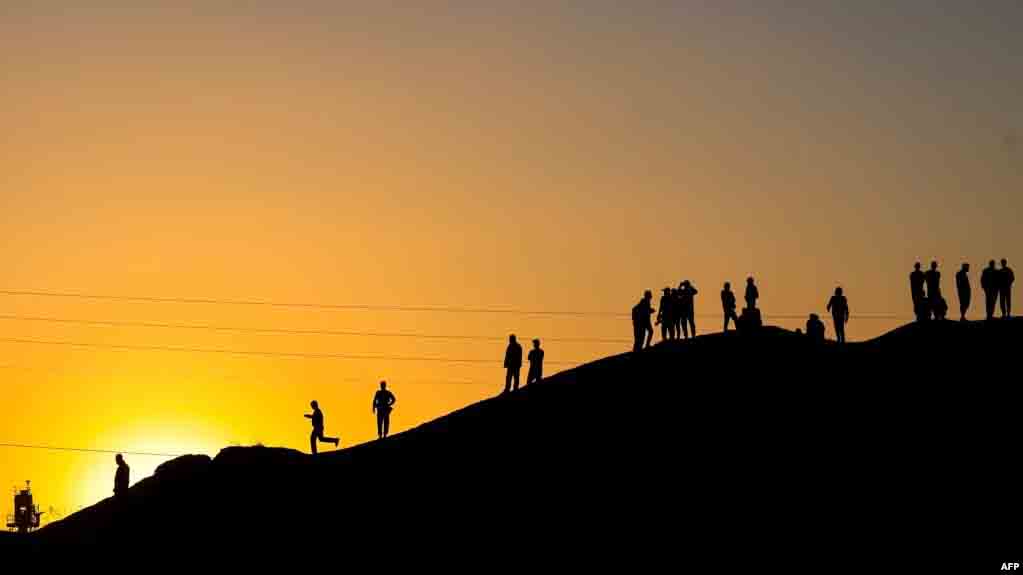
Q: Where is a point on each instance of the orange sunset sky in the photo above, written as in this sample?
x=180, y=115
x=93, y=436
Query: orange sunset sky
x=542, y=156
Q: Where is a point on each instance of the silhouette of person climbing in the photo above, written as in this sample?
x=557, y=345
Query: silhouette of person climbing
x=752, y=294
x=1005, y=280
x=728, y=305
x=121, y=477
x=687, y=308
x=383, y=402
x=932, y=278
x=641, y=328
x=839, y=308
x=916, y=290
x=989, y=283
x=963, y=290
x=535, y=358
x=665, y=315
x=512, y=363
x=815, y=328
x=317, y=434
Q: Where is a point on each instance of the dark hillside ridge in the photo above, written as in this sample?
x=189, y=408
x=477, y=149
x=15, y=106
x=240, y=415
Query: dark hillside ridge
x=764, y=446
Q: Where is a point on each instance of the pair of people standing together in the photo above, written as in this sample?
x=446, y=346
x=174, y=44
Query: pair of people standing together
x=513, y=364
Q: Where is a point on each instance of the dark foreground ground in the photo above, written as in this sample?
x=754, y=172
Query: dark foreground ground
x=730, y=453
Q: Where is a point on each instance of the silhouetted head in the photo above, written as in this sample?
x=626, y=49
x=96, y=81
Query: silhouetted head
x=648, y=294
x=966, y=267
x=728, y=286
x=536, y=343
x=934, y=265
x=686, y=283
x=749, y=280
x=814, y=317
x=991, y=264
x=511, y=338
x=838, y=291
x=314, y=405
x=383, y=385
x=1005, y=263
x=667, y=290
x=119, y=459
x=916, y=266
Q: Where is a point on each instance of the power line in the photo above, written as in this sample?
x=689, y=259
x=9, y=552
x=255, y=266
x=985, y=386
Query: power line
x=289, y=331
x=304, y=355
x=394, y=308
x=89, y=450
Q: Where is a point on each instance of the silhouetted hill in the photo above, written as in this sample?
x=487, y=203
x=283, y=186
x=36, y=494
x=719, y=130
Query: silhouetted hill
x=730, y=451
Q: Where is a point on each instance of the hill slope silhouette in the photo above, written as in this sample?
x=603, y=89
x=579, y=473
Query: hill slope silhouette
x=763, y=447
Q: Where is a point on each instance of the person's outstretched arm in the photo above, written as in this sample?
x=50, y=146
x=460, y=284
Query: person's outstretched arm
x=308, y=416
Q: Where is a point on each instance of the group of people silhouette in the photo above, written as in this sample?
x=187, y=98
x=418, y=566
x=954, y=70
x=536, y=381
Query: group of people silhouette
x=930, y=304
x=383, y=403
x=513, y=364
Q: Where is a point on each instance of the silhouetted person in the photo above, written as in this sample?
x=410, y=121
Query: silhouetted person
x=317, y=434
x=815, y=328
x=728, y=305
x=916, y=289
x=933, y=279
x=665, y=315
x=383, y=403
x=687, y=308
x=641, y=328
x=1005, y=280
x=940, y=308
x=989, y=283
x=839, y=308
x=963, y=290
x=752, y=294
x=513, y=364
x=535, y=358
x=122, y=477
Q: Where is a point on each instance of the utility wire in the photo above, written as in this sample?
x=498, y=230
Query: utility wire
x=88, y=450
x=266, y=353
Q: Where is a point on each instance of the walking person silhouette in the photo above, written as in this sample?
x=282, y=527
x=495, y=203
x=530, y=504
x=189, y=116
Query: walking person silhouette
x=989, y=283
x=1005, y=280
x=839, y=308
x=728, y=305
x=317, y=435
x=383, y=403
x=535, y=358
x=963, y=290
x=916, y=289
x=513, y=363
x=641, y=328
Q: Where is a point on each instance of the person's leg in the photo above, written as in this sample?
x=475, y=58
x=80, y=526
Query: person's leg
x=380, y=423
x=1008, y=303
x=726, y=322
x=637, y=339
x=387, y=423
x=692, y=324
x=515, y=376
x=649, y=334
x=664, y=331
x=507, y=380
x=312, y=442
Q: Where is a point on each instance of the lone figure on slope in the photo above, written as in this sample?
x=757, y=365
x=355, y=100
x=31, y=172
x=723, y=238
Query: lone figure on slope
x=383, y=402
x=317, y=434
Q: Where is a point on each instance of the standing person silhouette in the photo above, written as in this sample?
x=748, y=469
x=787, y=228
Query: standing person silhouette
x=121, y=477
x=989, y=283
x=815, y=328
x=513, y=363
x=383, y=403
x=535, y=358
x=933, y=279
x=728, y=305
x=839, y=308
x=666, y=315
x=1005, y=280
x=317, y=434
x=916, y=289
x=752, y=294
x=963, y=290
x=687, y=308
x=641, y=313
